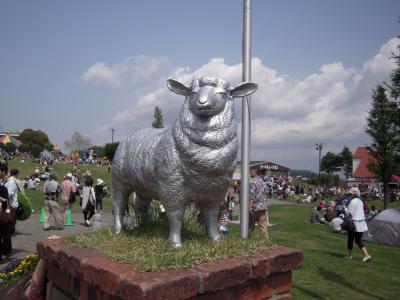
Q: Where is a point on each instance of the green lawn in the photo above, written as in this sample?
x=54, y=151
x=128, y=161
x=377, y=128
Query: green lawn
x=152, y=239
x=326, y=274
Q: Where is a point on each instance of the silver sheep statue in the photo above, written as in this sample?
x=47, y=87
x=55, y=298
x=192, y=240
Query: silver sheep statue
x=192, y=161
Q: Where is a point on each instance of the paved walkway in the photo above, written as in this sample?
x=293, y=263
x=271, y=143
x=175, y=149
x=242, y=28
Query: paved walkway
x=31, y=231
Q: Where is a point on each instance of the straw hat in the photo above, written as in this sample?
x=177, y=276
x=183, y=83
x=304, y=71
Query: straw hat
x=355, y=191
x=99, y=181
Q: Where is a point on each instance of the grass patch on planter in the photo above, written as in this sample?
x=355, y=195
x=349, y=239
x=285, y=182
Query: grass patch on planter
x=146, y=247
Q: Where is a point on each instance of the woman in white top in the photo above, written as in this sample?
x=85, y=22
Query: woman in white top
x=356, y=209
x=88, y=200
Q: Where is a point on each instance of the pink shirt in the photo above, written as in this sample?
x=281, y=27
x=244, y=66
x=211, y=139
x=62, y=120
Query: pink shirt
x=67, y=186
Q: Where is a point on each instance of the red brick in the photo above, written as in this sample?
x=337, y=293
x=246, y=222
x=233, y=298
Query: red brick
x=222, y=274
x=76, y=287
x=283, y=282
x=260, y=266
x=111, y=274
x=286, y=296
x=98, y=294
x=162, y=285
x=225, y=294
x=109, y=297
x=255, y=289
x=84, y=292
x=284, y=259
x=59, y=278
x=73, y=260
x=48, y=249
x=222, y=279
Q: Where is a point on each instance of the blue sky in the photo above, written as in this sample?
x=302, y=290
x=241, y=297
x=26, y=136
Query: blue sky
x=47, y=47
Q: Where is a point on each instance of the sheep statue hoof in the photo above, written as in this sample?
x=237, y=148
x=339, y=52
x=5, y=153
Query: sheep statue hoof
x=176, y=245
x=192, y=161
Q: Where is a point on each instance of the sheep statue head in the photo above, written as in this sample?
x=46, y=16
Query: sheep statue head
x=208, y=95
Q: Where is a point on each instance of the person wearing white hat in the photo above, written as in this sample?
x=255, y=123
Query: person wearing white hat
x=356, y=209
x=99, y=191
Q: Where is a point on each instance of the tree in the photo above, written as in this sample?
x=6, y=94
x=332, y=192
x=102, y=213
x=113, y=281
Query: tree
x=331, y=163
x=10, y=148
x=100, y=151
x=77, y=142
x=110, y=149
x=381, y=128
x=395, y=94
x=346, y=158
x=158, y=118
x=36, y=150
x=30, y=137
x=327, y=179
x=23, y=148
x=395, y=76
x=48, y=146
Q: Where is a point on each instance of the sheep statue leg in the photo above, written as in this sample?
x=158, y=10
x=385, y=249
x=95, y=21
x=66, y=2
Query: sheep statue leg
x=210, y=213
x=175, y=218
x=120, y=202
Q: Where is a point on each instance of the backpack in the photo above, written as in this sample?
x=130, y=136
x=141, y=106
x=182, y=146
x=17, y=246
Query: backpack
x=7, y=214
x=348, y=223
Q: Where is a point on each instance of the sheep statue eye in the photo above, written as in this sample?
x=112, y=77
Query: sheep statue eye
x=223, y=94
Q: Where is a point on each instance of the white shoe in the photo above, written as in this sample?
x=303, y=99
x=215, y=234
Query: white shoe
x=87, y=222
x=367, y=258
x=348, y=257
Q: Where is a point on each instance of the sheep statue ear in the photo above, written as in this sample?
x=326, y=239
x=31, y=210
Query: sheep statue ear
x=178, y=88
x=244, y=89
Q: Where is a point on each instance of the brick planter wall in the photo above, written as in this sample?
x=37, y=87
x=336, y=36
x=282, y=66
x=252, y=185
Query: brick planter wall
x=75, y=273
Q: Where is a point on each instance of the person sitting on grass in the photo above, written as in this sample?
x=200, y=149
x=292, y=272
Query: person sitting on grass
x=373, y=212
x=330, y=214
x=336, y=224
x=315, y=218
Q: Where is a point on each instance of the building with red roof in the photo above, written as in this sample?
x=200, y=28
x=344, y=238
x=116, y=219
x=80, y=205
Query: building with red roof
x=361, y=173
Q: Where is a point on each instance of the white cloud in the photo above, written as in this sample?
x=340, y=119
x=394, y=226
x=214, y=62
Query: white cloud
x=131, y=71
x=288, y=115
x=99, y=73
x=380, y=63
x=122, y=116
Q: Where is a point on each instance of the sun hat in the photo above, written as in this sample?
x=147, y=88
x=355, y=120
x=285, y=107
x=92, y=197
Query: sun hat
x=355, y=191
x=99, y=181
x=69, y=175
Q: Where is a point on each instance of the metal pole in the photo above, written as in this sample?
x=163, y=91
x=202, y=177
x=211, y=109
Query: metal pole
x=319, y=148
x=245, y=149
x=112, y=135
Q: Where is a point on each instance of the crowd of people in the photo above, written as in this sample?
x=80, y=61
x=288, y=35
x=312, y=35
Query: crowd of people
x=57, y=200
x=91, y=197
